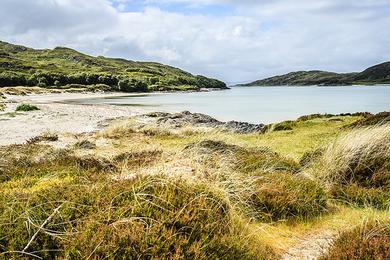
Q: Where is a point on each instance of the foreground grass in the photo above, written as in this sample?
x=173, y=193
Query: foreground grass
x=143, y=191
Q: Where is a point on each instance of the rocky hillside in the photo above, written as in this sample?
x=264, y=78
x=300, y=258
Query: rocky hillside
x=66, y=68
x=378, y=74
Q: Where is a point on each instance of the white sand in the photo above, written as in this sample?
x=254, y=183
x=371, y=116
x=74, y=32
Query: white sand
x=56, y=117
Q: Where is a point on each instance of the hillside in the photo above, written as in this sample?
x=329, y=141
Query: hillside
x=67, y=68
x=378, y=74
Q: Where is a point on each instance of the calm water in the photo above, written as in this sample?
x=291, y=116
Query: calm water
x=264, y=104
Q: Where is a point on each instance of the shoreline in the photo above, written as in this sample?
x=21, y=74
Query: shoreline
x=60, y=114
x=57, y=116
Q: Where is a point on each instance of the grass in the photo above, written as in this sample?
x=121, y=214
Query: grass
x=143, y=191
x=372, y=120
x=370, y=240
x=356, y=167
x=26, y=108
x=286, y=196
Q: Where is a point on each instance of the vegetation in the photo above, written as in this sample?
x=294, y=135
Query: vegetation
x=357, y=167
x=378, y=74
x=371, y=240
x=286, y=196
x=145, y=191
x=26, y=107
x=64, y=68
x=45, y=137
x=372, y=120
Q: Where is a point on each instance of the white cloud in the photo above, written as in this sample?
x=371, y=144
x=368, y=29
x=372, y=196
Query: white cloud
x=260, y=38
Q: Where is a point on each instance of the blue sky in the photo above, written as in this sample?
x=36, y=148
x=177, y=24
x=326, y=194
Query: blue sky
x=233, y=40
x=184, y=7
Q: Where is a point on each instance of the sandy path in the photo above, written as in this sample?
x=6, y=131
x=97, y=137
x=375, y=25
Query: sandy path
x=310, y=247
x=56, y=117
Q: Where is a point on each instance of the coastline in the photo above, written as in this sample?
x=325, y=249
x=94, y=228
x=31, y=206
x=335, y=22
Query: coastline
x=57, y=116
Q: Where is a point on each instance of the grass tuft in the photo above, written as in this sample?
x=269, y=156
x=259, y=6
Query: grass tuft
x=26, y=107
x=45, y=137
x=357, y=165
x=287, y=196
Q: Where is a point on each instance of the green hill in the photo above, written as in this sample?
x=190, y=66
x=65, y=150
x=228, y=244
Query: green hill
x=66, y=68
x=378, y=74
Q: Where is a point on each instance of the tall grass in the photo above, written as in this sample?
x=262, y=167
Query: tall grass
x=357, y=156
x=356, y=167
x=77, y=210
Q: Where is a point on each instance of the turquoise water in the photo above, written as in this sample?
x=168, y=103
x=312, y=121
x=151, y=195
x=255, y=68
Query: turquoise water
x=263, y=104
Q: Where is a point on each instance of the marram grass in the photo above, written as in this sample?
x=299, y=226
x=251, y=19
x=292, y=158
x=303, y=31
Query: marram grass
x=149, y=192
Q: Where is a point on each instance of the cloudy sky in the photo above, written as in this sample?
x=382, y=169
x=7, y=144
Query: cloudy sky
x=233, y=40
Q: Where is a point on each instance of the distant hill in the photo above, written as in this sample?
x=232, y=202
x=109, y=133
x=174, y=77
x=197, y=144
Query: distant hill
x=378, y=74
x=64, y=67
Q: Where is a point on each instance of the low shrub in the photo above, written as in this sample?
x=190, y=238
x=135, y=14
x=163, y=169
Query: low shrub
x=371, y=240
x=26, y=107
x=310, y=157
x=286, y=196
x=362, y=197
x=282, y=126
x=372, y=120
x=89, y=214
x=150, y=217
x=158, y=218
x=315, y=116
x=85, y=144
x=46, y=137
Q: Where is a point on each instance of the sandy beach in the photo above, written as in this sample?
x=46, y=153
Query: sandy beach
x=55, y=116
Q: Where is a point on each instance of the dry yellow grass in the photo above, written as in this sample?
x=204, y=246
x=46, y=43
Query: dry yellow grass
x=140, y=183
x=362, y=151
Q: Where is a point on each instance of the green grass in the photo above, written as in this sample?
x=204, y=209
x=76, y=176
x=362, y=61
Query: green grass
x=26, y=108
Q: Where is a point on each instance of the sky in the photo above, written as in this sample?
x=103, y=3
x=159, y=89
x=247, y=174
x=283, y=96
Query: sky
x=232, y=40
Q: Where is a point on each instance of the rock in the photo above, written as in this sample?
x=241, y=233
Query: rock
x=243, y=127
x=186, y=118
